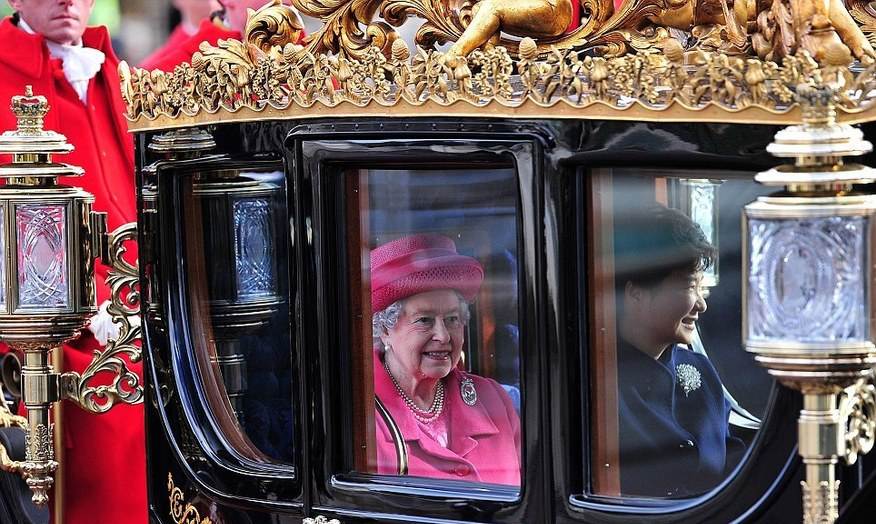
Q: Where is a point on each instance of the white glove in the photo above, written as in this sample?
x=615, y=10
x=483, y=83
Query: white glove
x=102, y=326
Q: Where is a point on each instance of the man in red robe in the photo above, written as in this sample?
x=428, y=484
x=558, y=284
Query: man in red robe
x=228, y=23
x=192, y=12
x=46, y=44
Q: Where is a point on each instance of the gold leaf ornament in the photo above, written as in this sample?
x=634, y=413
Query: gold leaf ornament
x=273, y=25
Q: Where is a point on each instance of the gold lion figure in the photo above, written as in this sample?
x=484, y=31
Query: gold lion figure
x=824, y=28
x=532, y=18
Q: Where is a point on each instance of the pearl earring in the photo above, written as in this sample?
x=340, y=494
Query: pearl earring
x=387, y=348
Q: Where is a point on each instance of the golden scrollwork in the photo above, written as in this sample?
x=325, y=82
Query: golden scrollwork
x=229, y=78
x=770, y=28
x=180, y=511
x=9, y=420
x=123, y=280
x=865, y=15
x=733, y=58
x=273, y=25
x=858, y=412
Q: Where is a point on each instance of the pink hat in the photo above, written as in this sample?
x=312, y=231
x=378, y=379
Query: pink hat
x=419, y=263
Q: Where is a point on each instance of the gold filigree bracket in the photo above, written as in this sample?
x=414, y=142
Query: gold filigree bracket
x=9, y=420
x=857, y=407
x=180, y=511
x=124, y=308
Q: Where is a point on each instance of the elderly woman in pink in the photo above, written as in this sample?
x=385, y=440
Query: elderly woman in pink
x=433, y=419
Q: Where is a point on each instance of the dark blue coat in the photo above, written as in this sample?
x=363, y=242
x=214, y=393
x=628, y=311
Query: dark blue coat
x=674, y=435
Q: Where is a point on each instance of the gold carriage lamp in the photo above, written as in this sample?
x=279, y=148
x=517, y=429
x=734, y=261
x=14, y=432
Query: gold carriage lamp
x=809, y=291
x=49, y=239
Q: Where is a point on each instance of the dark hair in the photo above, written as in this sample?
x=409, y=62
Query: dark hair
x=653, y=243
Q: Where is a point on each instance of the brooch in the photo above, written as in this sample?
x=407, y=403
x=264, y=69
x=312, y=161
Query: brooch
x=688, y=378
x=467, y=391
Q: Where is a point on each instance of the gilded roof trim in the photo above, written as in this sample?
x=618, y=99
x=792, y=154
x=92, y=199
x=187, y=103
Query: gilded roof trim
x=263, y=78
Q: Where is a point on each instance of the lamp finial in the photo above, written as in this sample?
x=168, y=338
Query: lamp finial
x=30, y=111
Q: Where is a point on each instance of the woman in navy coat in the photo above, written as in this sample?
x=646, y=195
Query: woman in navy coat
x=673, y=418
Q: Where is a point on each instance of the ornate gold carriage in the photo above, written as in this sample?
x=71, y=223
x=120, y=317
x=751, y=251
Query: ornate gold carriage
x=528, y=132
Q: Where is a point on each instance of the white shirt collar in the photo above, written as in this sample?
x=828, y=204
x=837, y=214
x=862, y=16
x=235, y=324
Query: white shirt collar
x=81, y=63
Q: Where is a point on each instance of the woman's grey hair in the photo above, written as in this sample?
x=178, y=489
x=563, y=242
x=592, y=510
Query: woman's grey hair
x=383, y=321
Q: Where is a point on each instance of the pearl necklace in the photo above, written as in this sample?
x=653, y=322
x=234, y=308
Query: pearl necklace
x=423, y=415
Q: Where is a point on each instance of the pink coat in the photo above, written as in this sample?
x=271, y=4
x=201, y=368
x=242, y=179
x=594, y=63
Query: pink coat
x=484, y=439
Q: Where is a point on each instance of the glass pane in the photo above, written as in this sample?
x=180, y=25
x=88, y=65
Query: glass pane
x=42, y=256
x=237, y=286
x=794, y=294
x=437, y=266
x=253, y=249
x=676, y=399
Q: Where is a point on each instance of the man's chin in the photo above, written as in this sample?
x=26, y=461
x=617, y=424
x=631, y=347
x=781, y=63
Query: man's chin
x=65, y=37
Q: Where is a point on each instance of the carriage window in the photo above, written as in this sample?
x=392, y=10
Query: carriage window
x=435, y=290
x=675, y=399
x=237, y=288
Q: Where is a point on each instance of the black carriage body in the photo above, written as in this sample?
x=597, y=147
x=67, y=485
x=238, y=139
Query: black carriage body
x=552, y=160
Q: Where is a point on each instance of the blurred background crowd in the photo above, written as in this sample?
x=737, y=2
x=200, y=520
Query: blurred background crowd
x=137, y=26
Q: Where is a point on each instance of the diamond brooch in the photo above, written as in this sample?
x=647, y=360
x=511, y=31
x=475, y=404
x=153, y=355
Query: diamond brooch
x=688, y=378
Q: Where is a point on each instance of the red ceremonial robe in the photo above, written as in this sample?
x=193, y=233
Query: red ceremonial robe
x=176, y=39
x=209, y=31
x=103, y=467
x=483, y=439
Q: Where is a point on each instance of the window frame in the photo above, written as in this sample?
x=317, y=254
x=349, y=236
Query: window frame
x=768, y=465
x=408, y=146
x=190, y=428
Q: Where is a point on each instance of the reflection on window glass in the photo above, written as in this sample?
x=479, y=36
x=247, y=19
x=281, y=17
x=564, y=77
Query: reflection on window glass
x=676, y=399
x=439, y=280
x=237, y=287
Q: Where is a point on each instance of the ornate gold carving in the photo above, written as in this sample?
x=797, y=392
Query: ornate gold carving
x=820, y=502
x=227, y=80
x=182, y=512
x=357, y=62
x=775, y=28
x=9, y=420
x=39, y=464
x=320, y=519
x=858, y=413
x=273, y=25
x=865, y=15
x=123, y=280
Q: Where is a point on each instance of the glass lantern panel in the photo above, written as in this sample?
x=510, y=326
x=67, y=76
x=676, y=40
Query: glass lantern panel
x=253, y=248
x=42, y=256
x=807, y=279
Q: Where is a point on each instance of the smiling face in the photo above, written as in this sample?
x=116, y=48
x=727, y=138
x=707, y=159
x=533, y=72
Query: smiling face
x=428, y=337
x=61, y=21
x=666, y=313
